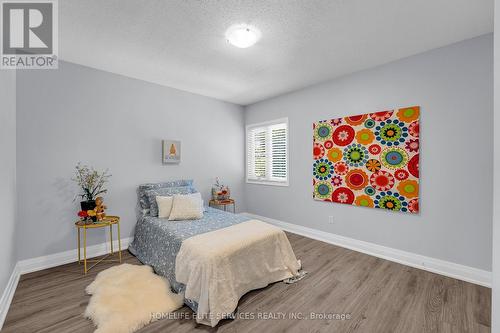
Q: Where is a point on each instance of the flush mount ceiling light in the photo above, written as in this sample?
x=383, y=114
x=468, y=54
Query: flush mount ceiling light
x=242, y=35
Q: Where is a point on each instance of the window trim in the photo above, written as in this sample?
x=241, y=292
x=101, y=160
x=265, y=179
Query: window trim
x=267, y=181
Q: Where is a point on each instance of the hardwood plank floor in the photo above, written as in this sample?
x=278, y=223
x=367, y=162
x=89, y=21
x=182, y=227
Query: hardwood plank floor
x=378, y=295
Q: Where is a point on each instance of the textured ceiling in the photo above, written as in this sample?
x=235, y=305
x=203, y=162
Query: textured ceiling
x=180, y=43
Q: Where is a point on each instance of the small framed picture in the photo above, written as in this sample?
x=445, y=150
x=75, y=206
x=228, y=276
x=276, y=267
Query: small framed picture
x=171, y=152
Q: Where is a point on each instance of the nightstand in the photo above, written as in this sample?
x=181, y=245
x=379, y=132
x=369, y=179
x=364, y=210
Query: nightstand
x=108, y=221
x=223, y=203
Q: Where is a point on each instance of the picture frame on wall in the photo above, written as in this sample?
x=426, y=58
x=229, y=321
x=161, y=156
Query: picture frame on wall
x=369, y=160
x=171, y=151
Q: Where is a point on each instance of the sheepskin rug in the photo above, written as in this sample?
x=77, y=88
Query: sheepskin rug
x=124, y=298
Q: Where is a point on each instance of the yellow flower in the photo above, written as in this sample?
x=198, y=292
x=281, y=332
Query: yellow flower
x=91, y=213
x=334, y=155
x=409, y=115
x=365, y=136
x=408, y=188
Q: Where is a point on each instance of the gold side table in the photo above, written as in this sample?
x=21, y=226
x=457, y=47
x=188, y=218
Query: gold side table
x=223, y=203
x=108, y=221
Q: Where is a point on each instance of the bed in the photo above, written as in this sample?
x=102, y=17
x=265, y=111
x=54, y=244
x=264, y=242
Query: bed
x=157, y=241
x=216, y=259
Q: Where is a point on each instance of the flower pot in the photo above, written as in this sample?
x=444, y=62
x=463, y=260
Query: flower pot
x=87, y=205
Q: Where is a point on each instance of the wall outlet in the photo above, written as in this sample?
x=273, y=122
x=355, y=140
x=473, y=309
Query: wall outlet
x=331, y=219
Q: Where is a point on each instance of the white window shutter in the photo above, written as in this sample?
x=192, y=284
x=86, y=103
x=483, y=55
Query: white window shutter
x=279, y=167
x=257, y=154
x=267, y=152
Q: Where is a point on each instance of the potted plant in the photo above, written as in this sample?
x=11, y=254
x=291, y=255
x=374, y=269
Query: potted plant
x=91, y=183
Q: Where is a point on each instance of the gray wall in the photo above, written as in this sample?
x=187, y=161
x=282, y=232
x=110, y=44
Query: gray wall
x=7, y=174
x=495, y=309
x=110, y=121
x=454, y=87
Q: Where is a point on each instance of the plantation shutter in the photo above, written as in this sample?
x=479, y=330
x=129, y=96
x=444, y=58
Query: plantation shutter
x=267, y=153
x=278, y=152
x=257, y=154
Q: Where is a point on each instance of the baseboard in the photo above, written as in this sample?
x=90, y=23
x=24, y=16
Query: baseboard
x=450, y=269
x=8, y=294
x=61, y=258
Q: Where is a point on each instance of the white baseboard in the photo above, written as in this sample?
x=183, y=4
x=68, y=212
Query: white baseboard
x=8, y=294
x=48, y=261
x=450, y=269
x=61, y=258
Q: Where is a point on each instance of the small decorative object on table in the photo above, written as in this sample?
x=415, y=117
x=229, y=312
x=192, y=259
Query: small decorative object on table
x=224, y=203
x=220, y=191
x=92, y=184
x=99, y=208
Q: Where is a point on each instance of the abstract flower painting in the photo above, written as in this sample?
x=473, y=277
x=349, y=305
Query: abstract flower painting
x=369, y=160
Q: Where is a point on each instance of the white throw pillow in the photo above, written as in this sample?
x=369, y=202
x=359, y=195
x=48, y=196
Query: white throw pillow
x=186, y=207
x=164, y=206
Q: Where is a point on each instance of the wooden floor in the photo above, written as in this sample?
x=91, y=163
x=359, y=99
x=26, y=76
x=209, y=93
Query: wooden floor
x=378, y=295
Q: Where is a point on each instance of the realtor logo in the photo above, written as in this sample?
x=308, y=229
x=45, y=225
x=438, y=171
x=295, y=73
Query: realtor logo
x=29, y=34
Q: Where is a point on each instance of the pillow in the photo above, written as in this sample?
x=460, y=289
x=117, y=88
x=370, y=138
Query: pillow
x=187, y=207
x=143, y=197
x=164, y=206
x=162, y=192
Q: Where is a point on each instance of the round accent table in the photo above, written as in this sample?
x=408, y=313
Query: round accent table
x=223, y=203
x=108, y=221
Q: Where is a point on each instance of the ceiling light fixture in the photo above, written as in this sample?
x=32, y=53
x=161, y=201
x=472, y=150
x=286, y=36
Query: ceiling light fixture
x=242, y=35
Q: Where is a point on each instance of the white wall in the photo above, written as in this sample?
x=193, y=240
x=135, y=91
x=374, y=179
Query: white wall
x=495, y=308
x=110, y=121
x=7, y=175
x=453, y=86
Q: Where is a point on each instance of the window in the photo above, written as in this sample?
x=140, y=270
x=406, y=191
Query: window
x=267, y=153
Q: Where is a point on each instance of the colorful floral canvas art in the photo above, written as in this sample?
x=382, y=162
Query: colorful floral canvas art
x=369, y=160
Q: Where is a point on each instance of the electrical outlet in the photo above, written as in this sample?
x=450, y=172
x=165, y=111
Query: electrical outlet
x=331, y=219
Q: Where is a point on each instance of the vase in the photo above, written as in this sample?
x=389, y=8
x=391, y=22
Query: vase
x=87, y=205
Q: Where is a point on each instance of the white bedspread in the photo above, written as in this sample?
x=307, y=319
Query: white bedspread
x=220, y=266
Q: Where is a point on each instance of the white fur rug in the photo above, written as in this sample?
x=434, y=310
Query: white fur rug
x=125, y=297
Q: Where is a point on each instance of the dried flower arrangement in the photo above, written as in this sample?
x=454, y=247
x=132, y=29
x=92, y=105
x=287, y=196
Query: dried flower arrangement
x=220, y=191
x=91, y=181
x=92, y=184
